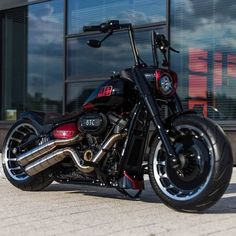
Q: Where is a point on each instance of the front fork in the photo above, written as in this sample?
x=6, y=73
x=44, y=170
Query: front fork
x=149, y=100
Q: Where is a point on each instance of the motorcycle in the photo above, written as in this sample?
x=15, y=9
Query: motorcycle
x=189, y=160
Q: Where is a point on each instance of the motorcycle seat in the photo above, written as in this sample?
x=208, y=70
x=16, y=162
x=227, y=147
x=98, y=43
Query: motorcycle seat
x=48, y=118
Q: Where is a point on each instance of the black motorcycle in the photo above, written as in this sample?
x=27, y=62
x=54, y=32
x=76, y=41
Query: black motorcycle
x=108, y=142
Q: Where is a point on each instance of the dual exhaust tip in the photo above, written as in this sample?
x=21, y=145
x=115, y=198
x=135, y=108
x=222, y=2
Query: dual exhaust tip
x=52, y=152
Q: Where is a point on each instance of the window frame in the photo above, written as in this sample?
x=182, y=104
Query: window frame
x=68, y=36
x=227, y=125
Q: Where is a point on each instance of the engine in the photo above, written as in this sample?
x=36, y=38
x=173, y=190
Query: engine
x=100, y=141
x=96, y=127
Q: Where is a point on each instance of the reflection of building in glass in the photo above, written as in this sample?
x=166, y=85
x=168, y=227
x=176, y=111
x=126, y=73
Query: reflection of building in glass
x=46, y=65
x=204, y=32
x=46, y=62
x=202, y=91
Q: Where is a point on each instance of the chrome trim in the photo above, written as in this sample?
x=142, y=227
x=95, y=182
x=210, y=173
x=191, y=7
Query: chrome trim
x=9, y=159
x=59, y=155
x=164, y=182
x=44, y=149
x=55, y=157
x=108, y=145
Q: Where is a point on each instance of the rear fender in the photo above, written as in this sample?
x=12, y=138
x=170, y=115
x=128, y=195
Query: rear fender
x=33, y=116
x=37, y=121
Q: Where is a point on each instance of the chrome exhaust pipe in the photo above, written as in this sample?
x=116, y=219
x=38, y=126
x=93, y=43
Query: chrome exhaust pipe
x=107, y=146
x=59, y=155
x=44, y=149
x=55, y=157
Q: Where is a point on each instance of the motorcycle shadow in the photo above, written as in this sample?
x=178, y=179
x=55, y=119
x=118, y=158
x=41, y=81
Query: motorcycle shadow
x=227, y=204
x=147, y=195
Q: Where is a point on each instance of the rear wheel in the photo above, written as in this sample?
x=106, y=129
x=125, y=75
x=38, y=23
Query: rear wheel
x=21, y=132
x=206, y=165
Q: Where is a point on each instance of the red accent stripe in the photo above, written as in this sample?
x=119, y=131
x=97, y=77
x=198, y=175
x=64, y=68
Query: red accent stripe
x=88, y=106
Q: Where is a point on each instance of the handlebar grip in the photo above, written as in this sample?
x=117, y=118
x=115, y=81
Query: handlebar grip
x=91, y=28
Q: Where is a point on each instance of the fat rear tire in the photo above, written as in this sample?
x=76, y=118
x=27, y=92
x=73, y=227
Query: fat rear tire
x=211, y=184
x=18, y=177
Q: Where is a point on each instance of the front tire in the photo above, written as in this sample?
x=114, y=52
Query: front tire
x=206, y=165
x=19, y=133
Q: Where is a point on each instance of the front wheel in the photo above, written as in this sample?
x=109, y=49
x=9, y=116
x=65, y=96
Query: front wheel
x=206, y=165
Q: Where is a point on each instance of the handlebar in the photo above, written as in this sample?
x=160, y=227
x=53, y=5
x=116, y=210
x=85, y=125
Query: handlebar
x=91, y=28
x=105, y=27
x=158, y=41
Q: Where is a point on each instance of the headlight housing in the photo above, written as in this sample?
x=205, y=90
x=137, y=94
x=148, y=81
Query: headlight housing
x=166, y=82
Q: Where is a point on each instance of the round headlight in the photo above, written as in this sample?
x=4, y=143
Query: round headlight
x=166, y=82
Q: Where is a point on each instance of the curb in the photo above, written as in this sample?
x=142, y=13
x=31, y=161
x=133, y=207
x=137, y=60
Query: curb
x=2, y=176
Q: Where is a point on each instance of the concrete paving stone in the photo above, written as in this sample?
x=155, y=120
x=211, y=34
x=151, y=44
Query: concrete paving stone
x=2, y=175
x=84, y=210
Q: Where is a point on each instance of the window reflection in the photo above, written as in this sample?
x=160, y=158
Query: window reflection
x=115, y=54
x=13, y=60
x=81, y=13
x=86, y=62
x=77, y=93
x=204, y=33
x=45, y=56
x=96, y=65
x=143, y=39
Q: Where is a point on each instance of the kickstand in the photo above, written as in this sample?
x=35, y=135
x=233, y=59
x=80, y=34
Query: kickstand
x=124, y=192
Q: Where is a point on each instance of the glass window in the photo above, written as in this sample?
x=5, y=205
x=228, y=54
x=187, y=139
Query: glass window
x=1, y=63
x=85, y=62
x=114, y=55
x=204, y=32
x=32, y=59
x=138, y=12
x=45, y=56
x=143, y=39
x=91, y=66
x=77, y=93
x=13, y=60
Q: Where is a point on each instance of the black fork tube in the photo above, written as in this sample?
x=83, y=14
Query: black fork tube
x=178, y=103
x=148, y=98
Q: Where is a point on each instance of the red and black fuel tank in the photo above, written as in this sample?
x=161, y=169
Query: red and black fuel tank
x=117, y=94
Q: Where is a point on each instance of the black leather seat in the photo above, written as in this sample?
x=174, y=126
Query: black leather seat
x=48, y=118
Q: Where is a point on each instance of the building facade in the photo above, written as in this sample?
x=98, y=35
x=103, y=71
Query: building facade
x=46, y=65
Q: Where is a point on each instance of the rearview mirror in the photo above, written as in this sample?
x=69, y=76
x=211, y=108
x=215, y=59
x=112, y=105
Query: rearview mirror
x=94, y=43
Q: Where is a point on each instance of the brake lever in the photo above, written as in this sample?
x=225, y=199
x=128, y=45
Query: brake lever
x=174, y=50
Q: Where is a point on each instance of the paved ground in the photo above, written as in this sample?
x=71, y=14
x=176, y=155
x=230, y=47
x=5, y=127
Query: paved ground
x=81, y=210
